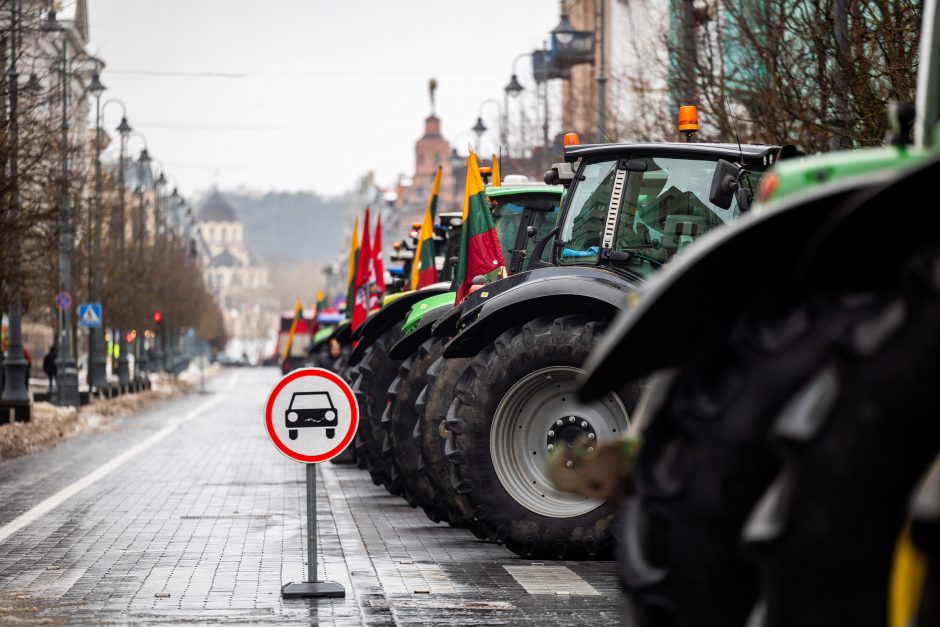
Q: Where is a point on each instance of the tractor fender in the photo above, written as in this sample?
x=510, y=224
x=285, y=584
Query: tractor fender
x=862, y=249
x=410, y=343
x=391, y=313
x=715, y=279
x=555, y=290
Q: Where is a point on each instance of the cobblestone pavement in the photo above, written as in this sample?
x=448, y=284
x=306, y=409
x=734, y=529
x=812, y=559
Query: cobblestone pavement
x=187, y=513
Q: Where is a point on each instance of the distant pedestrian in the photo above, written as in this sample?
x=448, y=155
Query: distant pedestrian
x=49, y=367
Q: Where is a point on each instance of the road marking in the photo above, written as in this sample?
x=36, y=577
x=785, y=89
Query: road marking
x=550, y=580
x=49, y=504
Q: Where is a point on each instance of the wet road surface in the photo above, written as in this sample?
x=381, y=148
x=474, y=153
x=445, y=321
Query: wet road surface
x=187, y=513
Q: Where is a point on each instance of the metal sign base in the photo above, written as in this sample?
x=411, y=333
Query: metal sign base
x=312, y=588
x=308, y=589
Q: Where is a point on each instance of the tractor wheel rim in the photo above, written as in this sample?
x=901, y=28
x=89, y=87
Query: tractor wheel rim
x=525, y=424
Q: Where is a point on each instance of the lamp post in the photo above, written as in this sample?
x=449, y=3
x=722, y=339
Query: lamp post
x=140, y=229
x=513, y=89
x=67, y=372
x=478, y=129
x=159, y=239
x=119, y=233
x=97, y=360
x=15, y=390
x=501, y=111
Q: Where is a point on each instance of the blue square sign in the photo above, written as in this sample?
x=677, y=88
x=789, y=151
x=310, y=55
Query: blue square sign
x=89, y=315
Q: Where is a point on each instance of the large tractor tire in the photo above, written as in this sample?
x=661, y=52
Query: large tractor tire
x=705, y=461
x=400, y=449
x=856, y=441
x=512, y=407
x=376, y=372
x=431, y=408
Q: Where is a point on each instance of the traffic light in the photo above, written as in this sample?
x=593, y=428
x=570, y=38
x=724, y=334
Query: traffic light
x=157, y=316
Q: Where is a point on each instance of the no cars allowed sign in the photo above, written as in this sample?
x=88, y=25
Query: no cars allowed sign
x=311, y=415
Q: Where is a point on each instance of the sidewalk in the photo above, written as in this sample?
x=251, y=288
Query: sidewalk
x=207, y=523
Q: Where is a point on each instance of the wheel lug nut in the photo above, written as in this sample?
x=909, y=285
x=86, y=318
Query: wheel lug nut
x=572, y=419
x=591, y=436
x=559, y=422
x=569, y=463
x=551, y=434
x=551, y=447
x=584, y=424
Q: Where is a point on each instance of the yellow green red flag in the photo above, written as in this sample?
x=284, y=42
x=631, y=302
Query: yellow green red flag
x=423, y=270
x=480, y=252
x=353, y=266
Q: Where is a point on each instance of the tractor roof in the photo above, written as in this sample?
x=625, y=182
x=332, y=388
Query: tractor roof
x=677, y=149
x=524, y=188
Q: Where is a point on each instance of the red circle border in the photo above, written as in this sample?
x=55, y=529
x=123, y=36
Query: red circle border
x=329, y=376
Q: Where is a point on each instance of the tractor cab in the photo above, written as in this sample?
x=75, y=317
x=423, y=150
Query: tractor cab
x=633, y=208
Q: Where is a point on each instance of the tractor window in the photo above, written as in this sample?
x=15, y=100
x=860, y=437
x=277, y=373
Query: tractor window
x=584, y=221
x=666, y=208
x=508, y=216
x=543, y=221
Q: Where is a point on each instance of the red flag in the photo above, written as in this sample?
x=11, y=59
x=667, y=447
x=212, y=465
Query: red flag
x=363, y=273
x=378, y=265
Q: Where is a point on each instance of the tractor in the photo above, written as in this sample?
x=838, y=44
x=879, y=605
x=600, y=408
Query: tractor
x=789, y=463
x=503, y=396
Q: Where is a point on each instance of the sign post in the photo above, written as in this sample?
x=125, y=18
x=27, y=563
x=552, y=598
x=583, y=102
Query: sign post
x=311, y=416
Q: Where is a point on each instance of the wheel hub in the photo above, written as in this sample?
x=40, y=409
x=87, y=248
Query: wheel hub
x=567, y=430
x=525, y=430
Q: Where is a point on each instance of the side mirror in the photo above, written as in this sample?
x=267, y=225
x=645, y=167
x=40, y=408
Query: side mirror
x=560, y=174
x=540, y=245
x=724, y=183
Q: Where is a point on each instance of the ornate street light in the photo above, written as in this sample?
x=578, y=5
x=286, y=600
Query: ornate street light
x=565, y=31
x=67, y=371
x=123, y=363
x=97, y=359
x=479, y=128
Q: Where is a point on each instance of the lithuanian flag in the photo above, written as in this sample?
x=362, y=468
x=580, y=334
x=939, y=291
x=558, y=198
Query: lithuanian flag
x=353, y=266
x=423, y=270
x=298, y=308
x=480, y=253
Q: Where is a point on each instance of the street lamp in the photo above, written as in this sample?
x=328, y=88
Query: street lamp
x=565, y=31
x=15, y=391
x=159, y=239
x=479, y=128
x=142, y=362
x=67, y=372
x=513, y=89
x=502, y=118
x=97, y=360
x=118, y=231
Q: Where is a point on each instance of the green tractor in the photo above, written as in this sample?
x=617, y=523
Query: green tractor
x=524, y=213
x=375, y=370
x=503, y=394
x=789, y=470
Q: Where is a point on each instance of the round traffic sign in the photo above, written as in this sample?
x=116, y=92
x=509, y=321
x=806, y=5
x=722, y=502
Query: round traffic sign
x=311, y=415
x=63, y=300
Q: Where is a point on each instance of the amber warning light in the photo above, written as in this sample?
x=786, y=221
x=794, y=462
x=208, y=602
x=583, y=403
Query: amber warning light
x=572, y=139
x=688, y=121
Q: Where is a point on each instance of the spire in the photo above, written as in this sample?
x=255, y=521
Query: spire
x=432, y=87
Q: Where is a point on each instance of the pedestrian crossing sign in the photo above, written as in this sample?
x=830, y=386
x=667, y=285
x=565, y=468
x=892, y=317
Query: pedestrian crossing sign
x=89, y=315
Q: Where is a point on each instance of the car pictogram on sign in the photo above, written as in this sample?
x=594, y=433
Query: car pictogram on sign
x=310, y=409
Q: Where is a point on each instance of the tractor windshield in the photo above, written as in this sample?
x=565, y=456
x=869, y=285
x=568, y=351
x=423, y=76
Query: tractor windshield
x=665, y=207
x=315, y=400
x=511, y=217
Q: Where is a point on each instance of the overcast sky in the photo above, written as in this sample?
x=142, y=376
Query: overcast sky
x=304, y=94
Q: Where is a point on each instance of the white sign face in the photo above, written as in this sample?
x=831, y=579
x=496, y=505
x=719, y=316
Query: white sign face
x=311, y=415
